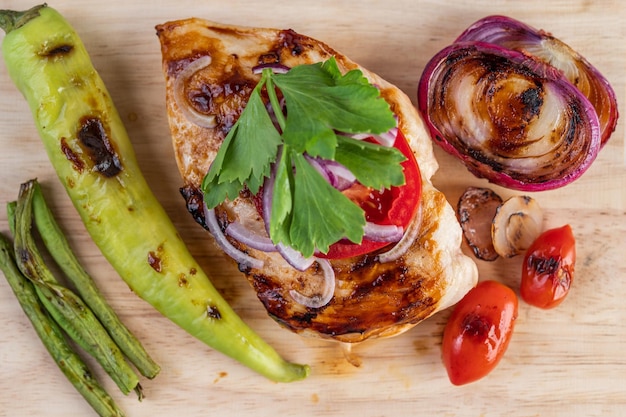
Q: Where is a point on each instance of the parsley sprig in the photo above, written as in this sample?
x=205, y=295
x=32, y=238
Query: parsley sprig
x=307, y=213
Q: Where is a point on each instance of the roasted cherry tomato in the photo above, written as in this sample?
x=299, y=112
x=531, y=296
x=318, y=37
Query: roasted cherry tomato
x=548, y=268
x=478, y=332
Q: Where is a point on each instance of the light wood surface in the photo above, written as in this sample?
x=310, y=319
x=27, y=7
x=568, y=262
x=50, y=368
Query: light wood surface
x=564, y=362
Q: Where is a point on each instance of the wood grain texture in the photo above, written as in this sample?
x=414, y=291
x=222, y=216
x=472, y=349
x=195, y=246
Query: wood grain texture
x=563, y=362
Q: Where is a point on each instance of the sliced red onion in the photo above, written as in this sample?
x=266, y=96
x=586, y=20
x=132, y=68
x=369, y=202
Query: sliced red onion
x=268, y=195
x=318, y=165
x=295, y=258
x=190, y=113
x=333, y=172
x=359, y=136
x=513, y=34
x=407, y=240
x=387, y=138
x=274, y=66
x=250, y=238
x=292, y=256
x=328, y=290
x=270, y=111
x=510, y=118
x=340, y=177
x=241, y=258
x=383, y=232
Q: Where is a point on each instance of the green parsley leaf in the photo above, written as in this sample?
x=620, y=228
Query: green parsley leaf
x=282, y=199
x=320, y=214
x=320, y=100
x=245, y=156
x=307, y=213
x=364, y=160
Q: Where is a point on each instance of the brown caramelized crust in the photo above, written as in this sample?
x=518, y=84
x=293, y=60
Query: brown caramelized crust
x=371, y=299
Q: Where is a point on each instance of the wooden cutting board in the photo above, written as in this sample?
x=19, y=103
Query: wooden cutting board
x=564, y=362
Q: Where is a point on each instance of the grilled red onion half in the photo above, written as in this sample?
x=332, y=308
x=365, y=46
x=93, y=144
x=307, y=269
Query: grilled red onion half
x=511, y=118
x=512, y=34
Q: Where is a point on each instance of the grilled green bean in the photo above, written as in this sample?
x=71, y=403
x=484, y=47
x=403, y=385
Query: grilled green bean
x=11, y=205
x=94, y=159
x=67, y=308
x=72, y=366
x=62, y=253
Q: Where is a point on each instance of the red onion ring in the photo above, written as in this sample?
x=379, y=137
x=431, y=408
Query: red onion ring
x=246, y=236
x=190, y=113
x=318, y=164
x=383, y=232
x=327, y=293
x=386, y=139
x=221, y=240
x=274, y=66
x=341, y=177
x=333, y=172
x=294, y=258
x=238, y=231
x=407, y=240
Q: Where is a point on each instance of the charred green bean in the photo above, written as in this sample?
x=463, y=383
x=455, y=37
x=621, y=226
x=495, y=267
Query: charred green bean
x=72, y=366
x=59, y=247
x=68, y=310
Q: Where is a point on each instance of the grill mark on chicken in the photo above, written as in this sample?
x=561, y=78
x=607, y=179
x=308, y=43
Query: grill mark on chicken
x=373, y=286
x=194, y=202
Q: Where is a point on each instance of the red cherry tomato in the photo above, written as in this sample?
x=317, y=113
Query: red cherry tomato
x=478, y=332
x=548, y=268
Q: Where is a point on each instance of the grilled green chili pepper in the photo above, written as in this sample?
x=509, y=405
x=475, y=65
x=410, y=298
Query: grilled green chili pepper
x=72, y=366
x=62, y=253
x=94, y=159
x=68, y=310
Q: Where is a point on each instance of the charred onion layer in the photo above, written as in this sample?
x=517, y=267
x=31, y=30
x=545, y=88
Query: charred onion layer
x=510, y=118
x=512, y=34
x=516, y=105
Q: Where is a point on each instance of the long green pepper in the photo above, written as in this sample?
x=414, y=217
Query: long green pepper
x=94, y=159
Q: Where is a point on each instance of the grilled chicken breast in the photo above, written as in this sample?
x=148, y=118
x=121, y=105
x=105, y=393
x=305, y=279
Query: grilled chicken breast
x=370, y=298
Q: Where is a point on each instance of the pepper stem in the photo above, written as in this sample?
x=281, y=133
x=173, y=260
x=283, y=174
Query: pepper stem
x=11, y=19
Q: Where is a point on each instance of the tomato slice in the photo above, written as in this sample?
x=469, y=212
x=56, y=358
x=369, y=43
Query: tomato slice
x=394, y=206
x=548, y=268
x=478, y=331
